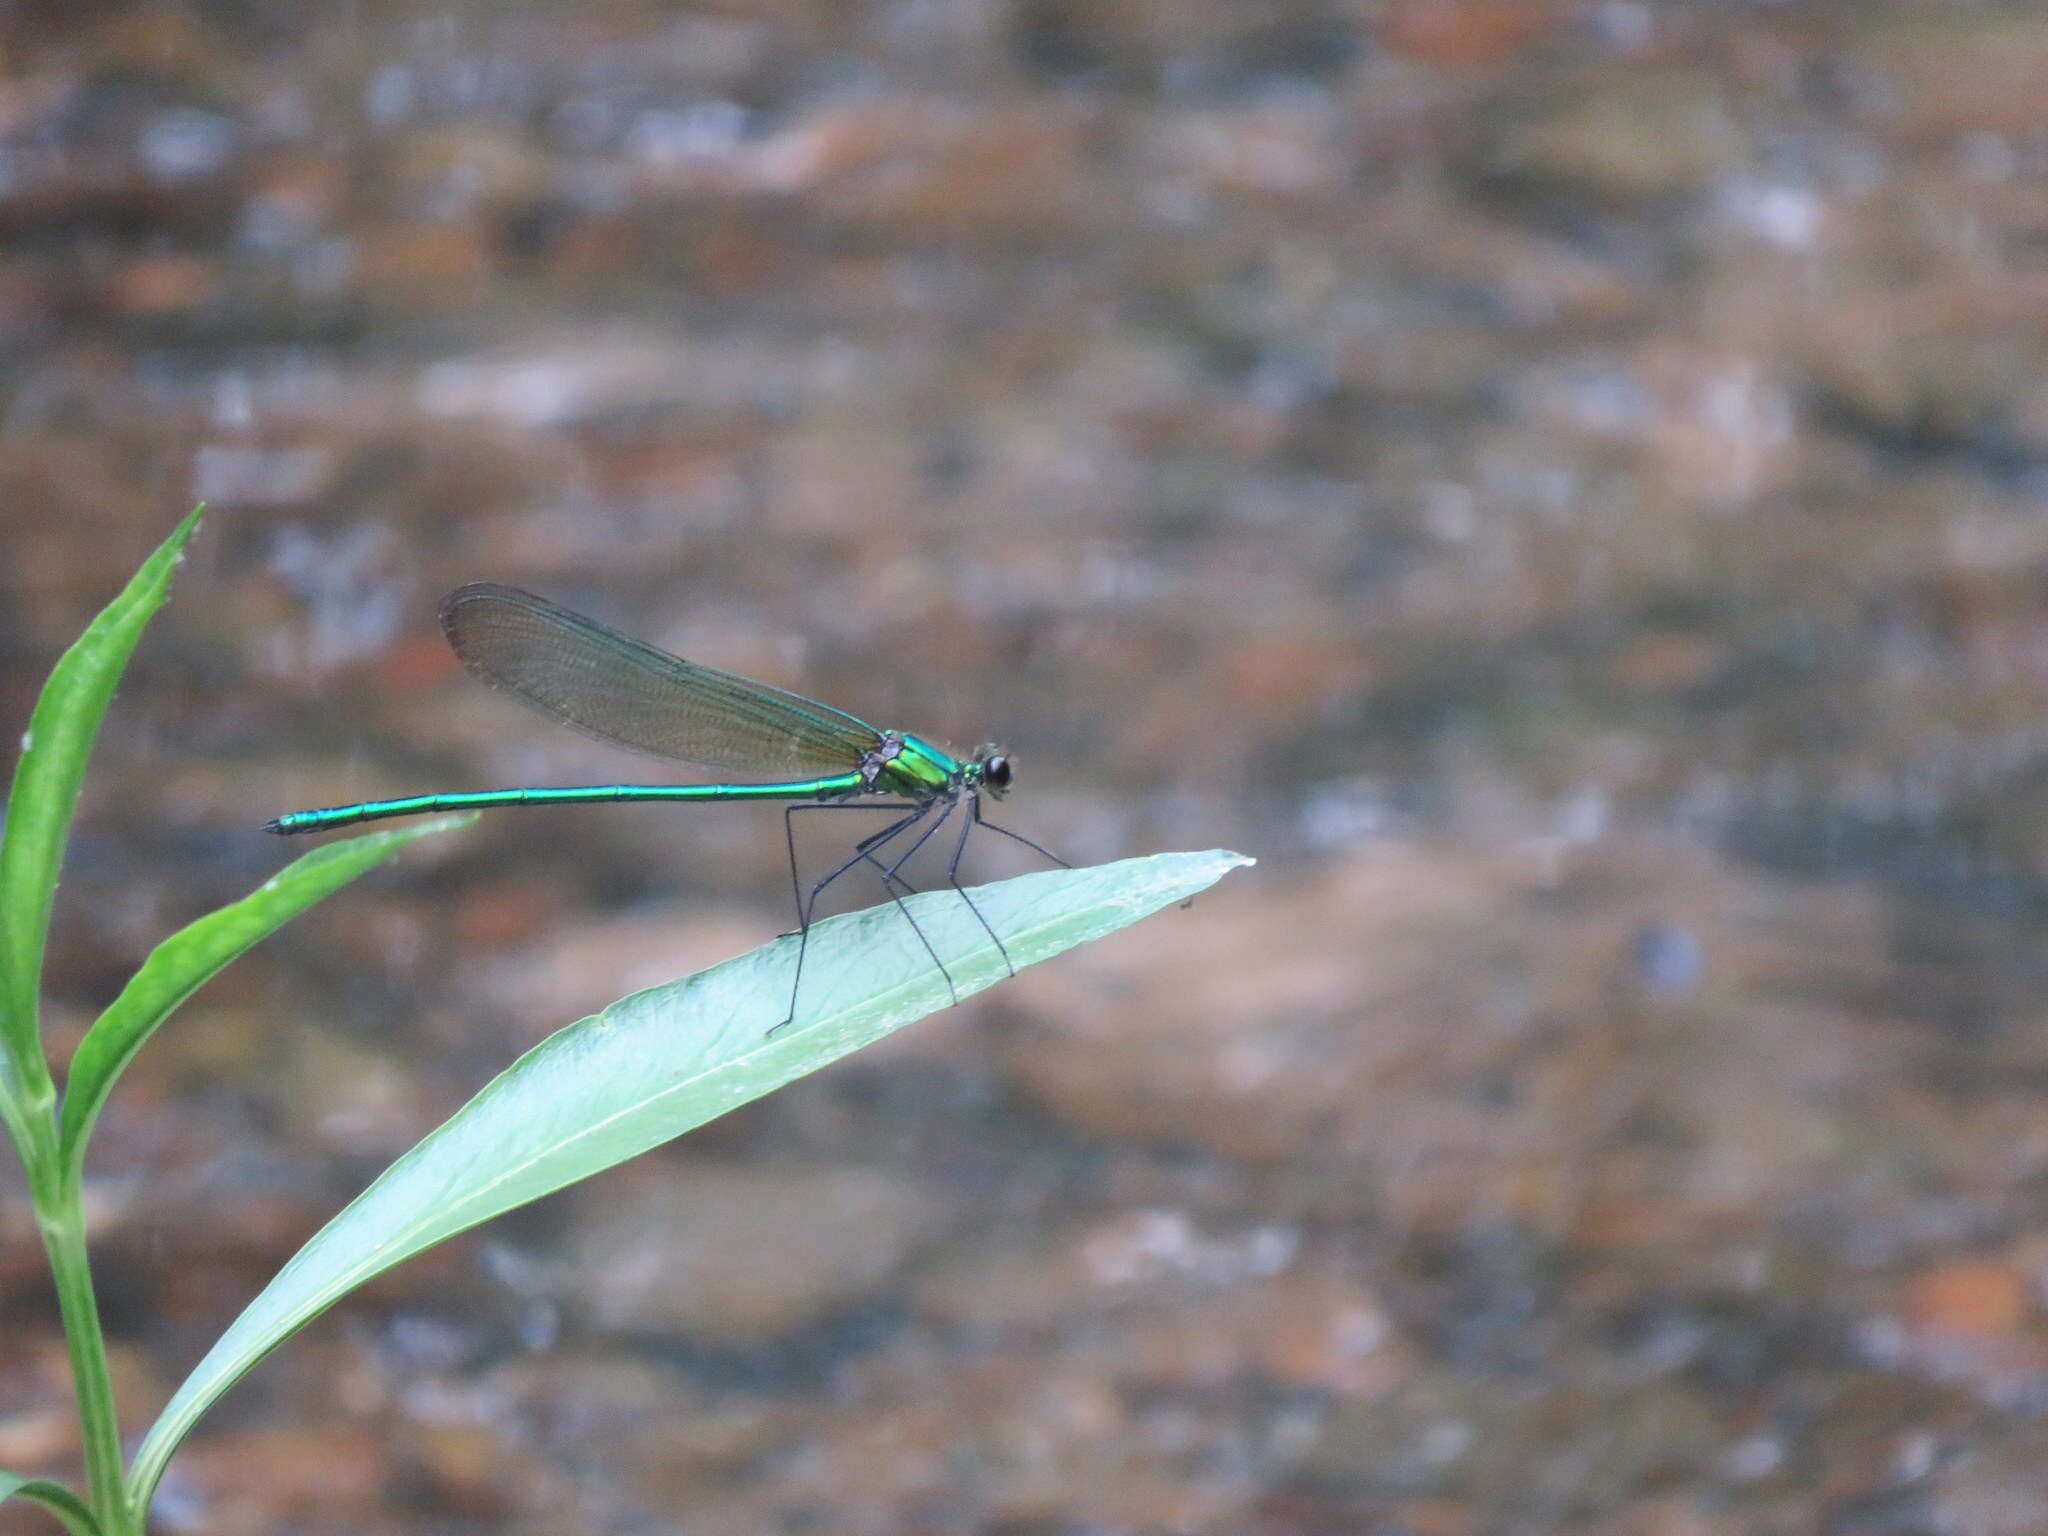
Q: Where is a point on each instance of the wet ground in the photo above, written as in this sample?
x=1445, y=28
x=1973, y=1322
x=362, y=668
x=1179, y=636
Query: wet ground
x=1566, y=485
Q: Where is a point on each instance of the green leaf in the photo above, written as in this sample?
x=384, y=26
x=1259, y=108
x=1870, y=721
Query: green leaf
x=189, y=958
x=13, y=1113
x=659, y=1062
x=55, y=1497
x=46, y=784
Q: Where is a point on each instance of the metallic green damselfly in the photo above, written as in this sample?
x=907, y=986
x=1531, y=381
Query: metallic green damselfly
x=787, y=747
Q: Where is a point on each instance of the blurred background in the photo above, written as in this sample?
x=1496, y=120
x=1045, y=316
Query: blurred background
x=1564, y=484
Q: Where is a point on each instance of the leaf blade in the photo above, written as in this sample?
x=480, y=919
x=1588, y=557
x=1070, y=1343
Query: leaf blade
x=47, y=780
x=660, y=1062
x=53, y=1496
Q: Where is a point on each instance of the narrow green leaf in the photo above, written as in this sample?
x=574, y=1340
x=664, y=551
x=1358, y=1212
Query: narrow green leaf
x=182, y=963
x=55, y=1497
x=46, y=784
x=659, y=1062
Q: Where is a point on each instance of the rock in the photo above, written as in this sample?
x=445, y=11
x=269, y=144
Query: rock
x=732, y=1255
x=1952, y=71
x=1627, y=136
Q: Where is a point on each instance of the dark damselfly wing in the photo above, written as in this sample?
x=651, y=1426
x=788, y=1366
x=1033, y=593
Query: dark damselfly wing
x=624, y=691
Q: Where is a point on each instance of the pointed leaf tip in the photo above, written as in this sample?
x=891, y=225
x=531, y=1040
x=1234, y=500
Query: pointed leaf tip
x=47, y=780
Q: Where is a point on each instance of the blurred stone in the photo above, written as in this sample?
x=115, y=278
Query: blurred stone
x=1636, y=135
x=994, y=1441
x=1948, y=72
x=493, y=915
x=1477, y=1448
x=465, y=1466
x=241, y=475
x=1463, y=33
x=1665, y=662
x=585, y=1406
x=1006, y=173
x=567, y=972
x=1191, y=1310
x=245, y=1481
x=165, y=285
x=460, y=171
x=1963, y=390
x=162, y=42
x=1254, y=1062
x=352, y=1099
x=37, y=1438
x=733, y=1254
x=1970, y=1299
x=1284, y=147
x=1221, y=47
x=836, y=474
x=295, y=197
x=419, y=263
x=1997, y=1486
x=1302, y=1331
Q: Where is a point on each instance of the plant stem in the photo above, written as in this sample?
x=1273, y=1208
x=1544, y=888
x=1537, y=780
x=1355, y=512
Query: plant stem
x=60, y=1215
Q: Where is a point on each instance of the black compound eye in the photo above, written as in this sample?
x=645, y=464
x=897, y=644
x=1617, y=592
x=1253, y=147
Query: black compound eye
x=996, y=772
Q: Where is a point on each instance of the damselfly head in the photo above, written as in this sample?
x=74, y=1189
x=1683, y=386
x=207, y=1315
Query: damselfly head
x=995, y=770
